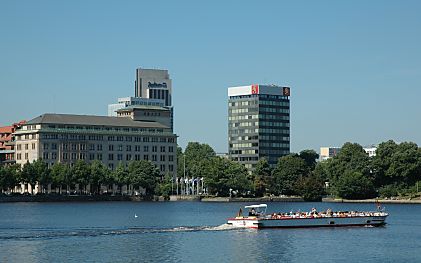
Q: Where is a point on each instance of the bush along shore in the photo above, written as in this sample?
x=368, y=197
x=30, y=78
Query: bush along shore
x=394, y=173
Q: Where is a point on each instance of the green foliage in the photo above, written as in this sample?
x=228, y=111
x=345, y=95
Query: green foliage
x=221, y=175
x=310, y=157
x=99, y=174
x=354, y=185
x=288, y=170
x=352, y=157
x=143, y=174
x=164, y=187
x=262, y=177
x=29, y=175
x=311, y=188
x=42, y=172
x=196, y=155
x=389, y=190
x=81, y=174
x=9, y=176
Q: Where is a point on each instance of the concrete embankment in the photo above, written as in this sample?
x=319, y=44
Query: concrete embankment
x=64, y=198
x=383, y=201
x=256, y=200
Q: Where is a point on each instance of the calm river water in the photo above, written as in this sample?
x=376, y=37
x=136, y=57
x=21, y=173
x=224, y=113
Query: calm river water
x=192, y=232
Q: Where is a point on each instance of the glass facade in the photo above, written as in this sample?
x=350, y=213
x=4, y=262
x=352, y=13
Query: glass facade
x=258, y=127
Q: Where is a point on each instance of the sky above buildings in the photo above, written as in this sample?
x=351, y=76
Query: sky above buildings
x=354, y=67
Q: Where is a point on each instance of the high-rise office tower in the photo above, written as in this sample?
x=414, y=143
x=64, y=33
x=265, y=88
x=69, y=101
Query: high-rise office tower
x=258, y=124
x=153, y=84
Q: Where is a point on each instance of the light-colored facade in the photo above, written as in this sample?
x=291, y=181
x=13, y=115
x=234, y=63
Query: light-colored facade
x=154, y=84
x=67, y=138
x=328, y=152
x=132, y=101
x=258, y=124
x=370, y=150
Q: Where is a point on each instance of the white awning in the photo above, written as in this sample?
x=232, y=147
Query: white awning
x=257, y=206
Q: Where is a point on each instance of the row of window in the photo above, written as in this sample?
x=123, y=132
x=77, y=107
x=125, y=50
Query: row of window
x=245, y=110
x=278, y=131
x=244, y=138
x=274, y=138
x=274, y=124
x=99, y=156
x=243, y=131
x=273, y=110
x=274, y=144
x=244, y=124
x=93, y=147
x=274, y=103
x=243, y=103
x=242, y=117
x=273, y=117
x=245, y=159
x=82, y=137
x=162, y=167
x=243, y=145
x=244, y=151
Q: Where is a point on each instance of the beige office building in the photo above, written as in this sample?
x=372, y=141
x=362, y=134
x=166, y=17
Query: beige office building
x=67, y=138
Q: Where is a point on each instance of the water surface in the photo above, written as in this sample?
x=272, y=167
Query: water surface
x=195, y=232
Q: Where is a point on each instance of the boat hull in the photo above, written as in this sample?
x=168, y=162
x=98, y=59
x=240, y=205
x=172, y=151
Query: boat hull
x=308, y=222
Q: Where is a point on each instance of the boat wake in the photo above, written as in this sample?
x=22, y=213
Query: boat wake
x=94, y=232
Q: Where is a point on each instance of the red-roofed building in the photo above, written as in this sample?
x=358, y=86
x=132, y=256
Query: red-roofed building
x=7, y=148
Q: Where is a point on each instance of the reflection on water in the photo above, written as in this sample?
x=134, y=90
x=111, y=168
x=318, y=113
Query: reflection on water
x=194, y=232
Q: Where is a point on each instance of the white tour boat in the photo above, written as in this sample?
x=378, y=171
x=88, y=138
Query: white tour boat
x=257, y=218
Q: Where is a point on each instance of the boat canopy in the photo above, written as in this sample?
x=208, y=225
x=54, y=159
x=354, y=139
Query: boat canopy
x=257, y=206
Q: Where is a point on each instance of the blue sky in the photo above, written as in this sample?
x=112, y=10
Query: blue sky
x=354, y=67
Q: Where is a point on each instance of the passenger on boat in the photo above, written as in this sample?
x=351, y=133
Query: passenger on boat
x=252, y=212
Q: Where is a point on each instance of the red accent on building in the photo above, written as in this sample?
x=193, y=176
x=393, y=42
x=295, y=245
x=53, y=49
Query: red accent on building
x=254, y=89
x=6, y=142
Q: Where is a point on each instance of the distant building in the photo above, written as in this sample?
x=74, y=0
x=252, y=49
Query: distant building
x=328, y=152
x=154, y=84
x=7, y=149
x=67, y=138
x=132, y=101
x=258, y=124
x=370, y=150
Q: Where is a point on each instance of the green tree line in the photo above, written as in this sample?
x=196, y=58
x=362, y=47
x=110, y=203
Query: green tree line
x=351, y=174
x=90, y=178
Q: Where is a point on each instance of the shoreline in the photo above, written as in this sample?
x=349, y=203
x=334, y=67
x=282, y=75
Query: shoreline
x=383, y=201
x=174, y=198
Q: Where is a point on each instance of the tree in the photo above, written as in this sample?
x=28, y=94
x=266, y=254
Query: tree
x=221, y=175
x=195, y=154
x=180, y=162
x=29, y=175
x=121, y=176
x=143, y=174
x=9, y=177
x=262, y=177
x=81, y=173
x=164, y=187
x=310, y=188
x=288, y=170
x=43, y=175
x=310, y=157
x=57, y=178
x=354, y=185
x=98, y=176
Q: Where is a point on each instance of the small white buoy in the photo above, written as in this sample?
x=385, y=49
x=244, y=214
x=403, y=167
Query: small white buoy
x=135, y=216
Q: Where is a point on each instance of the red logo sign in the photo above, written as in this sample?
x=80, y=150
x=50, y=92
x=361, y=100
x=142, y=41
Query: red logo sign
x=286, y=91
x=254, y=89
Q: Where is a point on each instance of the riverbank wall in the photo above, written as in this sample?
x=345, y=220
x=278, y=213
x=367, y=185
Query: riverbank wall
x=383, y=201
